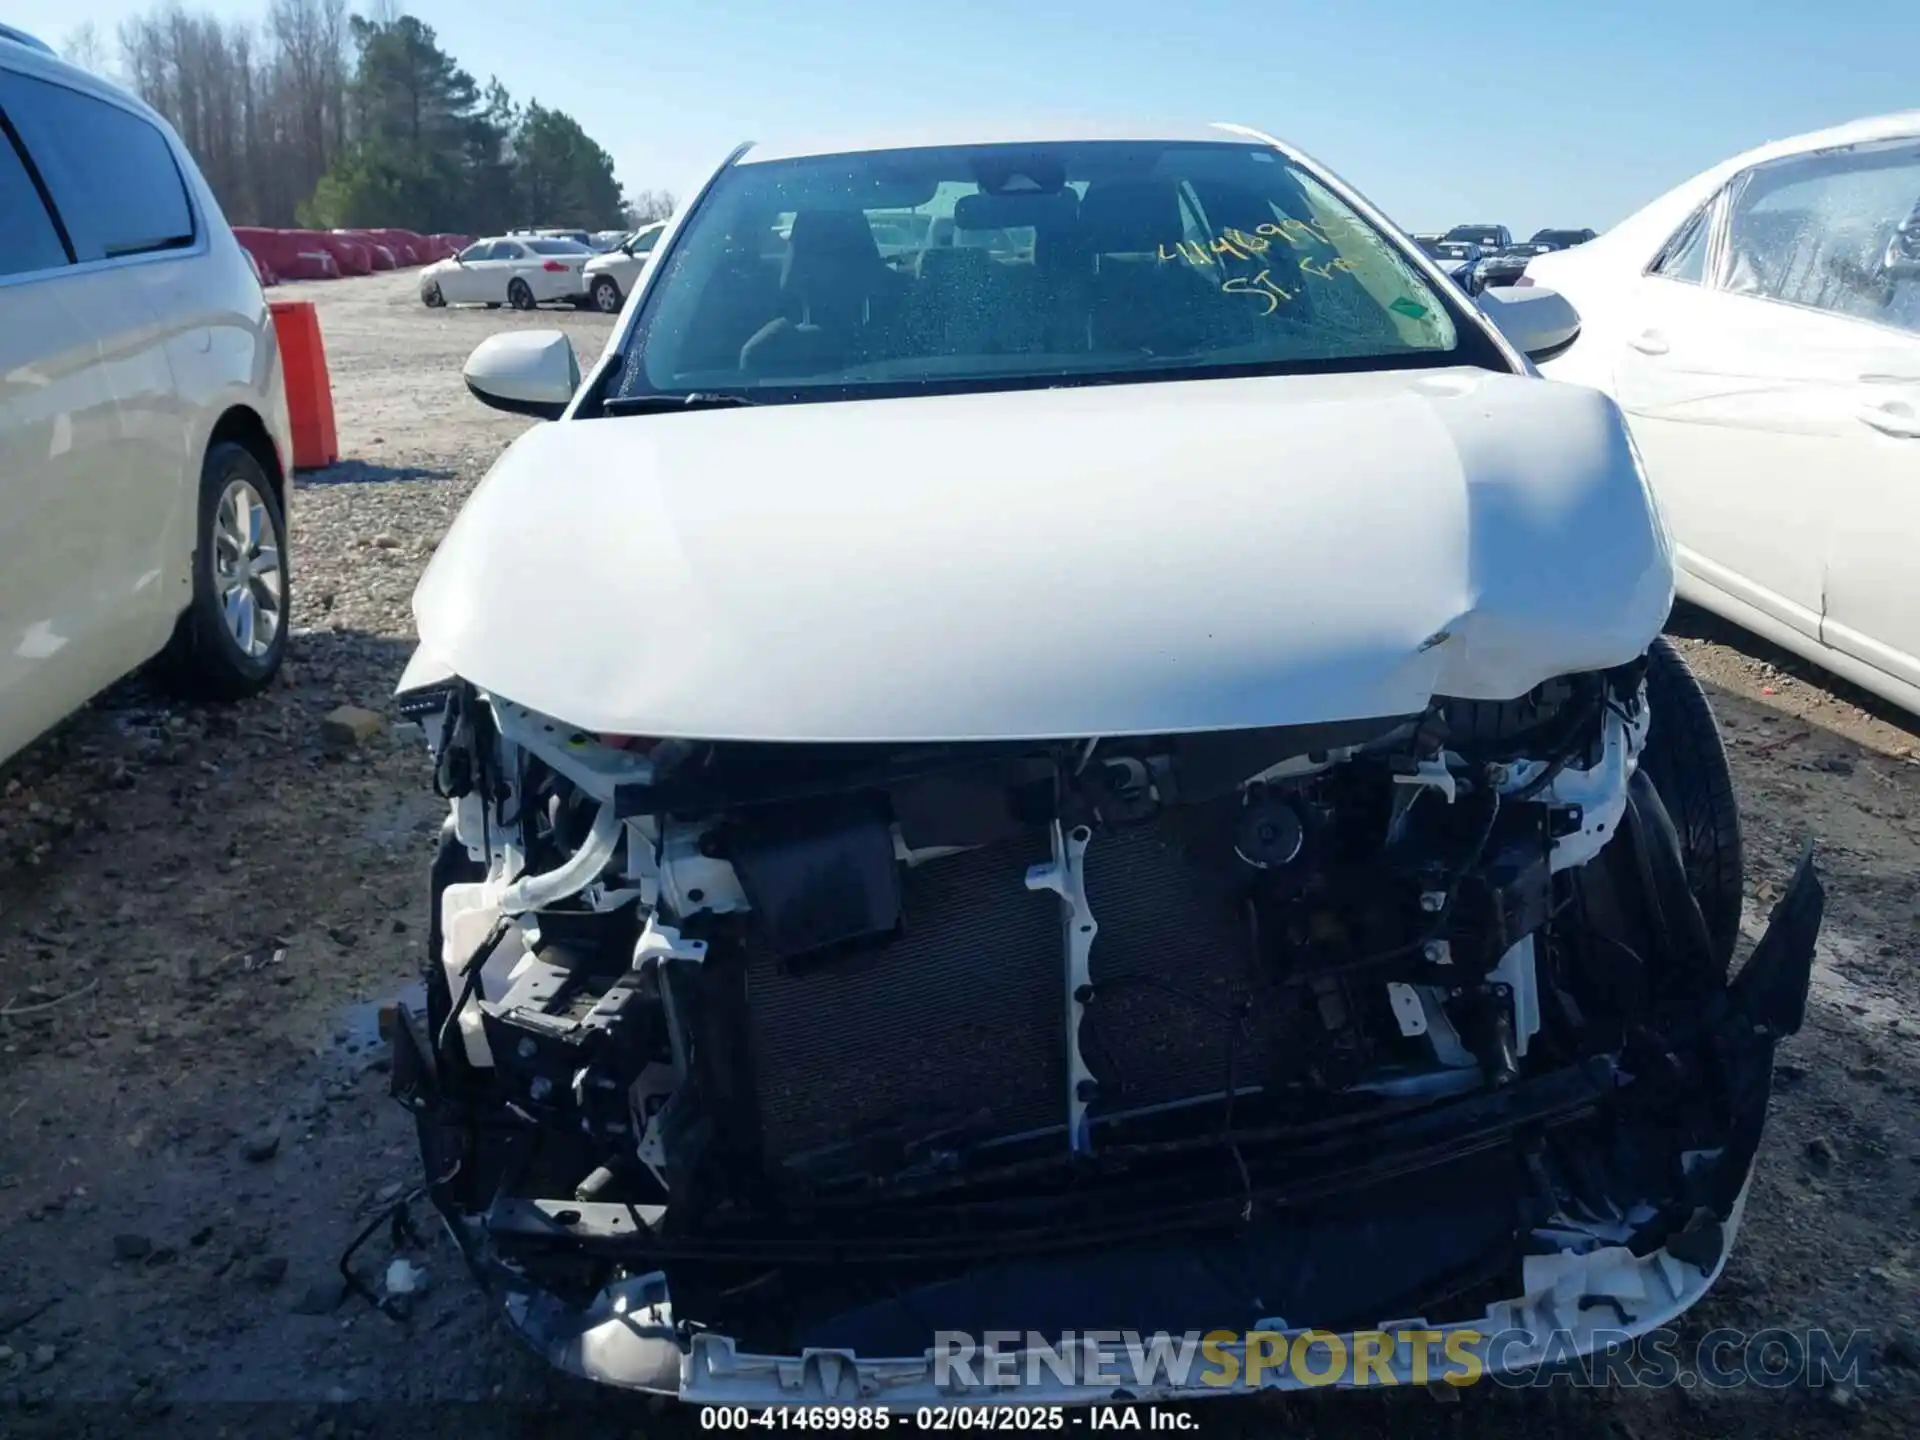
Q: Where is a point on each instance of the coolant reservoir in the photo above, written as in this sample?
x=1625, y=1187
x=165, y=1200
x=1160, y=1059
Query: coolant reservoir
x=467, y=917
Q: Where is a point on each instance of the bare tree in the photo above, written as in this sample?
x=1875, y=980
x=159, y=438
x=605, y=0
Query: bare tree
x=317, y=112
x=646, y=206
x=84, y=47
x=263, y=111
x=309, y=37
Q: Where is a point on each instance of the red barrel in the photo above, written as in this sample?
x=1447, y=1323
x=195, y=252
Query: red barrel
x=303, y=359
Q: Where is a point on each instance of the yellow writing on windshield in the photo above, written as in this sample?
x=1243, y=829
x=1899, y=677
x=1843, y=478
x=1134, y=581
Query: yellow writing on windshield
x=1253, y=247
x=1262, y=286
x=1247, y=244
x=1326, y=271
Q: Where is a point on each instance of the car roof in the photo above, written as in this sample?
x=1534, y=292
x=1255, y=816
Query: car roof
x=1019, y=133
x=1649, y=227
x=21, y=37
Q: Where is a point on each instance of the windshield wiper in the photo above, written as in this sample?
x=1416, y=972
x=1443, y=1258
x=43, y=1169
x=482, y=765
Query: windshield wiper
x=661, y=404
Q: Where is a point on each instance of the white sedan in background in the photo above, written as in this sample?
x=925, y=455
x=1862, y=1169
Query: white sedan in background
x=610, y=276
x=1760, y=327
x=519, y=270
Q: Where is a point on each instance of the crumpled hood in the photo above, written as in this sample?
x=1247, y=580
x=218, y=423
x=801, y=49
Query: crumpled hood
x=1118, y=559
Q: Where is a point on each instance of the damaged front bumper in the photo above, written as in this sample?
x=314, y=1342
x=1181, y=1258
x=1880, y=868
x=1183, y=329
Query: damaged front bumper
x=1397, y=1239
x=1572, y=1305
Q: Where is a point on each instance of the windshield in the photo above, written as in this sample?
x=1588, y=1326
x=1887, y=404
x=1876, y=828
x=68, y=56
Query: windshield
x=1487, y=237
x=557, y=247
x=1558, y=239
x=973, y=267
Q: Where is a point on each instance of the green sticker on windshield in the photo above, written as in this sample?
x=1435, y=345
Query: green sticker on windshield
x=1412, y=309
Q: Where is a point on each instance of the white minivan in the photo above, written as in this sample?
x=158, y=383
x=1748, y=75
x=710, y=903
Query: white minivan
x=144, y=438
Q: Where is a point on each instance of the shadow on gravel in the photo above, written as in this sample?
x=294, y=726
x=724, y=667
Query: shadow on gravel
x=137, y=747
x=1692, y=623
x=365, y=472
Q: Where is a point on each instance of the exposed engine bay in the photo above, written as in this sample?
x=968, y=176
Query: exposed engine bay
x=839, y=1044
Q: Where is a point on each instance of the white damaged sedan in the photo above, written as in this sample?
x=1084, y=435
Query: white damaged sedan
x=1108, y=772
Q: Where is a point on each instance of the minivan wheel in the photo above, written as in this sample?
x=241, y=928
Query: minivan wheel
x=606, y=295
x=519, y=295
x=230, y=641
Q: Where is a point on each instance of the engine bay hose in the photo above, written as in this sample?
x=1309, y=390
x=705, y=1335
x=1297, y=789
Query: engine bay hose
x=534, y=892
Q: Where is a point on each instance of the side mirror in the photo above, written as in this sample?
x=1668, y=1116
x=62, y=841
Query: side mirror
x=1538, y=322
x=525, y=372
x=1902, y=258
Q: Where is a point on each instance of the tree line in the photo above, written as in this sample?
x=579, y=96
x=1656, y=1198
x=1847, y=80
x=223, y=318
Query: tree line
x=321, y=118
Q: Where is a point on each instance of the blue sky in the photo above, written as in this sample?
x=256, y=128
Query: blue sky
x=1531, y=114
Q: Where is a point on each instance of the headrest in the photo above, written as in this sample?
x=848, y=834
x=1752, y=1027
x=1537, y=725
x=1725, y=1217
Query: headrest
x=1132, y=215
x=963, y=265
x=840, y=232
x=830, y=248
x=997, y=212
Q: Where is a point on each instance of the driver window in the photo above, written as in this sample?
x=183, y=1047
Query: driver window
x=476, y=251
x=645, y=243
x=1838, y=232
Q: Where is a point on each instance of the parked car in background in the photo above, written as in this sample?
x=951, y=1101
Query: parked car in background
x=1488, y=237
x=518, y=270
x=1459, y=258
x=1560, y=239
x=1759, y=325
x=843, y=731
x=144, y=443
x=1505, y=267
x=610, y=276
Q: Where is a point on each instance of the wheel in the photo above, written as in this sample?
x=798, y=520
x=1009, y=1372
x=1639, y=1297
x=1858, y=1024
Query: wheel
x=432, y=297
x=606, y=295
x=230, y=641
x=520, y=295
x=1687, y=763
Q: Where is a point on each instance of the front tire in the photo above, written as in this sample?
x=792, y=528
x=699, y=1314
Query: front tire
x=1687, y=763
x=606, y=295
x=520, y=295
x=231, y=639
x=432, y=298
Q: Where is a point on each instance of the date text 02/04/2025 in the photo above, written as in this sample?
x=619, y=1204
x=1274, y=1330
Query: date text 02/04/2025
x=945, y=1418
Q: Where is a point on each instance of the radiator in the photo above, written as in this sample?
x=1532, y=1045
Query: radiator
x=959, y=1024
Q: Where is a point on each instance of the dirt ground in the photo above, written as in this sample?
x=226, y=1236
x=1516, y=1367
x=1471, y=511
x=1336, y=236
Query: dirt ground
x=201, y=910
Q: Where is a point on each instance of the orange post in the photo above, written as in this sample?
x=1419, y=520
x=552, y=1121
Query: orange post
x=303, y=359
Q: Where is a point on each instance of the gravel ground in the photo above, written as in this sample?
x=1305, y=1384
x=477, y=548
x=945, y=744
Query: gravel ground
x=200, y=911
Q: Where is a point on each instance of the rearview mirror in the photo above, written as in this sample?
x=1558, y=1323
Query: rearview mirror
x=1538, y=322
x=525, y=372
